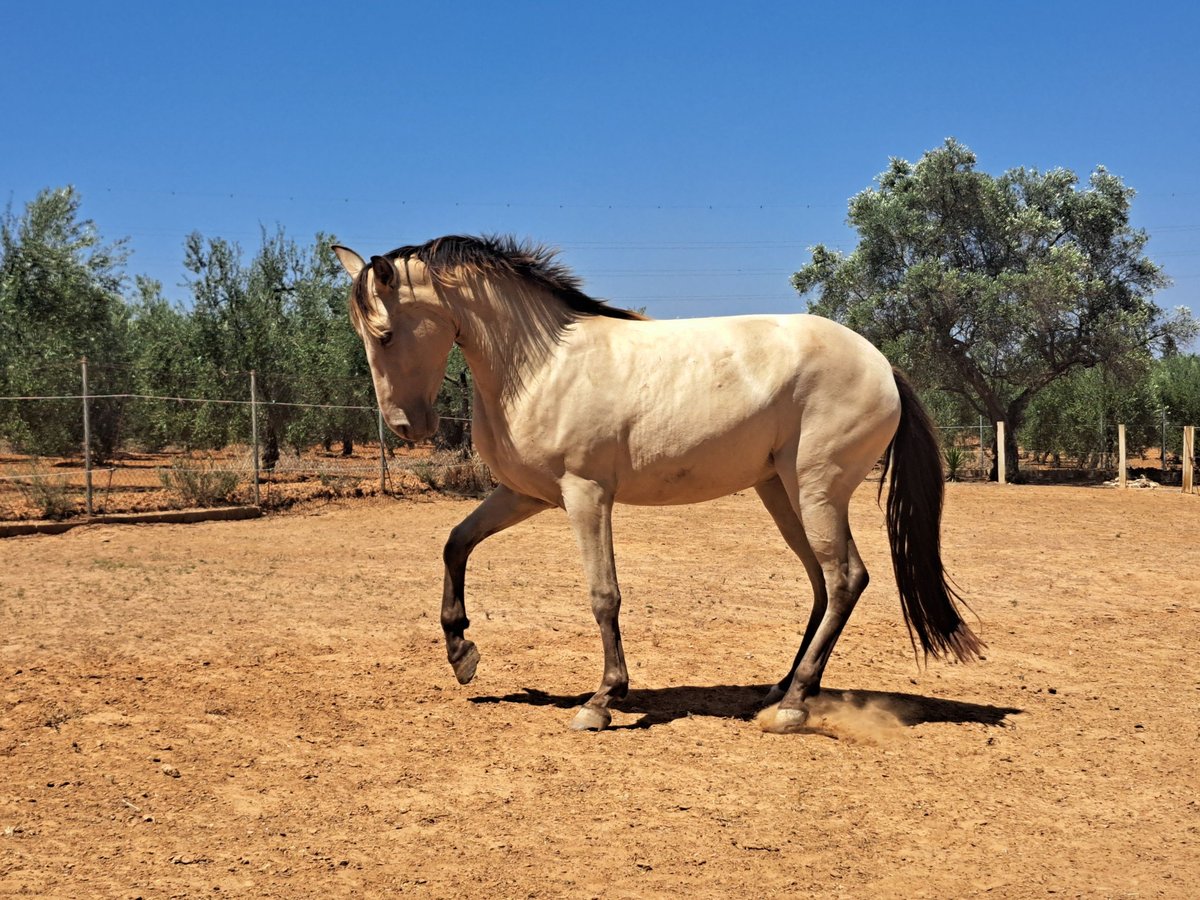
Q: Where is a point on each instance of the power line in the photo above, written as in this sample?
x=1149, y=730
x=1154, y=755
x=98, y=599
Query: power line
x=293, y=197
x=460, y=204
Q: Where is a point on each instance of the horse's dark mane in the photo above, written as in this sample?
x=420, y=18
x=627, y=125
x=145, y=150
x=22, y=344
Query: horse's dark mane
x=535, y=264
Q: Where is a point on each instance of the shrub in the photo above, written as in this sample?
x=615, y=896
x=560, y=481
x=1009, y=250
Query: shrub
x=199, y=481
x=48, y=493
x=452, y=472
x=956, y=459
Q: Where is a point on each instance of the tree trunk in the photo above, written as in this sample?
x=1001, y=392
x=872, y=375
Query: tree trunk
x=1012, y=459
x=270, y=452
x=1014, y=419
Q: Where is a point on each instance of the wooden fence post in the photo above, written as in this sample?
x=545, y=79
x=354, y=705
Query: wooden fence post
x=1189, y=451
x=1001, y=475
x=1122, y=481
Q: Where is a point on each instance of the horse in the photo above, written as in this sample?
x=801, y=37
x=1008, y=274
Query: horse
x=579, y=405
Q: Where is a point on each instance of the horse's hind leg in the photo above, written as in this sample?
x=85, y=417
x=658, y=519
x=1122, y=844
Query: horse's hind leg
x=502, y=509
x=823, y=507
x=589, y=509
x=775, y=498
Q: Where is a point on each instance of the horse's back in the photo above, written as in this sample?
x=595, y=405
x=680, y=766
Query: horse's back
x=723, y=369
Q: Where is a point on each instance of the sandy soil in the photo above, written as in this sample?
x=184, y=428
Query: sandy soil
x=264, y=709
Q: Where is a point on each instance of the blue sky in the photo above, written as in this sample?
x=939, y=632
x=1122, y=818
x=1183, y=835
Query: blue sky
x=683, y=155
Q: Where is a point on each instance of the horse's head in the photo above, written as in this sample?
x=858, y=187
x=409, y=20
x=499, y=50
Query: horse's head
x=407, y=332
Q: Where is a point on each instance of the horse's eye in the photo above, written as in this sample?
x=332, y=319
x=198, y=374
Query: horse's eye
x=385, y=339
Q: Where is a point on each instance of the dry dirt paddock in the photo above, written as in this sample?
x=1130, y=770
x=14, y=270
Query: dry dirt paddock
x=264, y=709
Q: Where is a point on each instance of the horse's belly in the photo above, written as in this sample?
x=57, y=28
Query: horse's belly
x=693, y=478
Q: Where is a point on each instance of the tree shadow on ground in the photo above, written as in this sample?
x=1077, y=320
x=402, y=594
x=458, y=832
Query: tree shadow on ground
x=659, y=706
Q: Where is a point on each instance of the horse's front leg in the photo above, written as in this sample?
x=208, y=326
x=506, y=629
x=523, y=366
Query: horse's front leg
x=502, y=509
x=589, y=509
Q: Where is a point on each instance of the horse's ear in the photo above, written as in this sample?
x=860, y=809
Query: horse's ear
x=385, y=271
x=351, y=261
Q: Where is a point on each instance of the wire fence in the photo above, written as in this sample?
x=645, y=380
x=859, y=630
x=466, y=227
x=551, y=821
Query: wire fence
x=1088, y=455
x=68, y=454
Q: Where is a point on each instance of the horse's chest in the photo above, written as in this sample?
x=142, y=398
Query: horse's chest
x=525, y=468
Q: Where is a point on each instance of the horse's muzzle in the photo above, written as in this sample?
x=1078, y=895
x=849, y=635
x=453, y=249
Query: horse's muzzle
x=415, y=428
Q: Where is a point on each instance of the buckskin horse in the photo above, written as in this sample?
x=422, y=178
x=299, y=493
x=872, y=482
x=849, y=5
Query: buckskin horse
x=580, y=405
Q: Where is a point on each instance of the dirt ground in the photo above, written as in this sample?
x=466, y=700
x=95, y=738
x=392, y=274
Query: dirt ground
x=264, y=709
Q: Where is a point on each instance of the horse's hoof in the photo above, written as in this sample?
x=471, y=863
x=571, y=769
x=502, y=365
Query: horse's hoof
x=773, y=696
x=591, y=718
x=464, y=666
x=777, y=720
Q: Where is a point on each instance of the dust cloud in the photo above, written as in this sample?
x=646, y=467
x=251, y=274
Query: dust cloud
x=846, y=716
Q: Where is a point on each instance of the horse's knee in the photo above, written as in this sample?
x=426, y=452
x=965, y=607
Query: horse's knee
x=458, y=548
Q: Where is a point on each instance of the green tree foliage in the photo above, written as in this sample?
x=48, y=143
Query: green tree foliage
x=165, y=362
x=1176, y=384
x=64, y=295
x=283, y=315
x=995, y=288
x=237, y=315
x=60, y=300
x=327, y=359
x=1074, y=420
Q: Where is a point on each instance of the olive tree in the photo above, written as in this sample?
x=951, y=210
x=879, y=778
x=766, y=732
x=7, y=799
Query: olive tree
x=994, y=288
x=60, y=300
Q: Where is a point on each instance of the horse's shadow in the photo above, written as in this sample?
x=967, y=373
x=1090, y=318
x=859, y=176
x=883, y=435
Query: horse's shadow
x=659, y=706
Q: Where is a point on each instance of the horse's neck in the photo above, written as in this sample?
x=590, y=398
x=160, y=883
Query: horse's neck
x=508, y=334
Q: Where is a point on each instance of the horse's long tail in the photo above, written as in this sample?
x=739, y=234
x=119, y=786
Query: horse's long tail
x=914, y=518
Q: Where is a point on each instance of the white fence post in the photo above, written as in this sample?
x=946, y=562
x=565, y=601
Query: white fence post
x=1001, y=475
x=1189, y=451
x=1122, y=480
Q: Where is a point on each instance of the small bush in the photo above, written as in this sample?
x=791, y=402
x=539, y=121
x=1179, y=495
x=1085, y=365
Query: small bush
x=427, y=473
x=49, y=493
x=199, y=482
x=453, y=473
x=335, y=482
x=956, y=459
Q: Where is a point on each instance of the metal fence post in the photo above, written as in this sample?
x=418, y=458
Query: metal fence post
x=87, y=438
x=382, y=454
x=982, y=456
x=254, y=432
